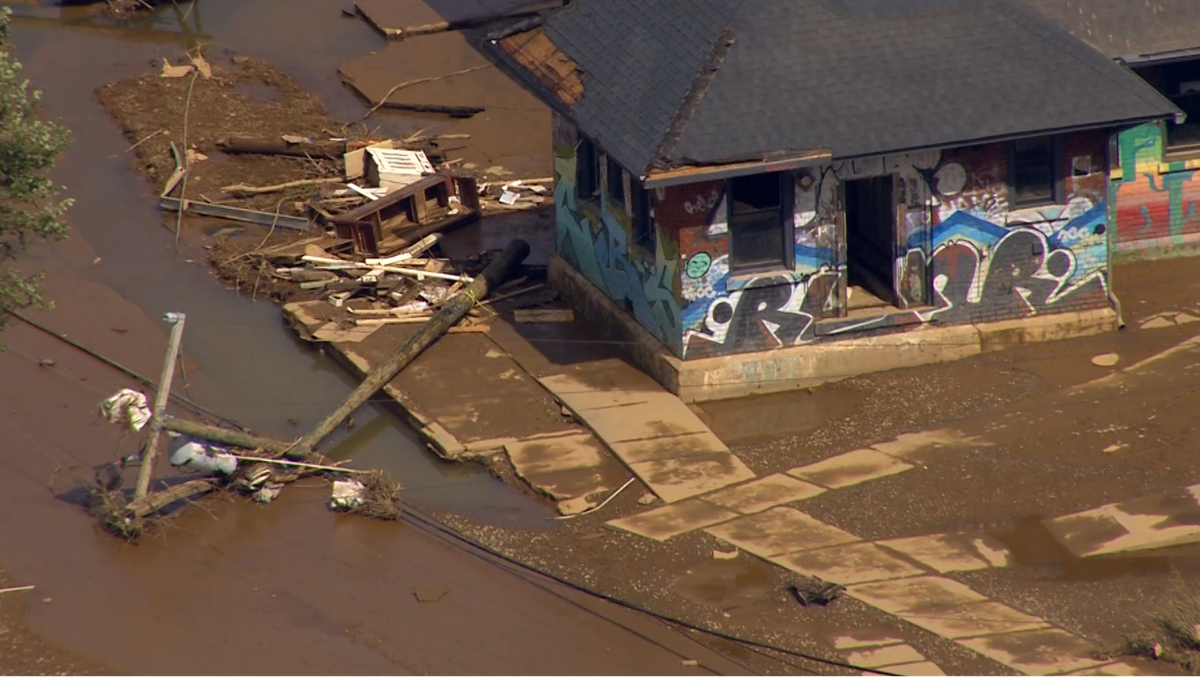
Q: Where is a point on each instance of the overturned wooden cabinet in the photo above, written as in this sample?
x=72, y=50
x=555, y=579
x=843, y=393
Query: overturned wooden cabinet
x=409, y=213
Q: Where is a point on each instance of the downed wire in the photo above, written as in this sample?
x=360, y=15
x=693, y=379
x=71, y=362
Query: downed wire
x=123, y=369
x=430, y=522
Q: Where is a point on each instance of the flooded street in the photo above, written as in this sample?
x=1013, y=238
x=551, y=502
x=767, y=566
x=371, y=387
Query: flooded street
x=291, y=588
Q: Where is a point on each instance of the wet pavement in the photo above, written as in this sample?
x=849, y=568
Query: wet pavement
x=234, y=587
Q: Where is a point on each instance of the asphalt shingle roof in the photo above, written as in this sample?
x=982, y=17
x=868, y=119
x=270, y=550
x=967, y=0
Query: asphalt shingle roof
x=855, y=77
x=1128, y=27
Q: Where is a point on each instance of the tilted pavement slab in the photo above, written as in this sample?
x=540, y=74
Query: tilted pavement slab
x=881, y=657
x=973, y=620
x=651, y=431
x=567, y=466
x=921, y=669
x=1157, y=521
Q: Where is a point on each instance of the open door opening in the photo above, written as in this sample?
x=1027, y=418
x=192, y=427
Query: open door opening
x=870, y=244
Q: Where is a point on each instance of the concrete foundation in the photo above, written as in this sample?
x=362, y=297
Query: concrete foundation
x=809, y=365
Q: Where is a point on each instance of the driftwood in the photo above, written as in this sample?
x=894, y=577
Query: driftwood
x=383, y=100
x=243, y=189
x=158, y=500
x=453, y=311
x=452, y=111
x=232, y=438
x=322, y=149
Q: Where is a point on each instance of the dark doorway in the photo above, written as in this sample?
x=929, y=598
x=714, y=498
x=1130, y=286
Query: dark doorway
x=870, y=243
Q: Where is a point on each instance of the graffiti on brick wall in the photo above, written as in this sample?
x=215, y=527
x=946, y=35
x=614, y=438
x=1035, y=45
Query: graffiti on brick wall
x=1152, y=207
x=592, y=239
x=980, y=260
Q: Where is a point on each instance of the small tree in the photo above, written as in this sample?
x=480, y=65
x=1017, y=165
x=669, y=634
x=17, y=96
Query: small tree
x=30, y=208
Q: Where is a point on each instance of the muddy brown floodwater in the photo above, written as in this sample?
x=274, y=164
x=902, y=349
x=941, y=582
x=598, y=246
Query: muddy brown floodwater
x=233, y=587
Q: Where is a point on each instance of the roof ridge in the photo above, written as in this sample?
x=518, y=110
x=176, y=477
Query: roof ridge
x=700, y=84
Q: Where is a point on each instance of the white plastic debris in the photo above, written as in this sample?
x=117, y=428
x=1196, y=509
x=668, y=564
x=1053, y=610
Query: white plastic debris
x=508, y=197
x=127, y=406
x=267, y=493
x=347, y=494
x=198, y=455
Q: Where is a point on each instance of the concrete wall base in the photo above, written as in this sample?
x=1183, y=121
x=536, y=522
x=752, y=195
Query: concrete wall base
x=810, y=365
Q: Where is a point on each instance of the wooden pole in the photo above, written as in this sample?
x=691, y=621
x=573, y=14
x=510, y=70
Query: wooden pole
x=233, y=438
x=160, y=405
x=450, y=313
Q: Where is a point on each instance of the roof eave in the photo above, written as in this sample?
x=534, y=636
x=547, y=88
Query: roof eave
x=684, y=175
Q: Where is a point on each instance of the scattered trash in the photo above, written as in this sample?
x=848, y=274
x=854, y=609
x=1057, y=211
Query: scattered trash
x=169, y=71
x=725, y=556
x=1114, y=447
x=647, y=498
x=199, y=455
x=814, y=591
x=431, y=595
x=267, y=493
x=508, y=197
x=202, y=66
x=47, y=600
x=347, y=494
x=19, y=588
x=96, y=261
x=689, y=662
x=127, y=406
x=47, y=362
x=1106, y=360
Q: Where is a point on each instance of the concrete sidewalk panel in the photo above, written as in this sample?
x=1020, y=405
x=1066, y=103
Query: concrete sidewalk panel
x=915, y=595
x=884, y=656
x=952, y=552
x=674, y=479
x=581, y=450
x=848, y=564
x=974, y=620
x=764, y=493
x=660, y=416
x=659, y=448
x=1037, y=652
x=672, y=520
x=779, y=531
x=850, y=468
x=921, y=669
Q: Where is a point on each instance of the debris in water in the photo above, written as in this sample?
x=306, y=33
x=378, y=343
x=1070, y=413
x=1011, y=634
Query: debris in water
x=267, y=493
x=199, y=455
x=431, y=595
x=127, y=406
x=1106, y=360
x=347, y=494
x=689, y=662
x=814, y=591
x=169, y=71
x=47, y=362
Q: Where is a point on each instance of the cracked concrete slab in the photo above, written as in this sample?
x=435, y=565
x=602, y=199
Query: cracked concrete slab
x=849, y=564
x=637, y=451
x=913, y=595
x=778, y=531
x=850, y=468
x=674, y=479
x=661, y=524
x=545, y=455
x=764, y=493
x=952, y=552
x=1037, y=652
x=662, y=415
x=974, y=620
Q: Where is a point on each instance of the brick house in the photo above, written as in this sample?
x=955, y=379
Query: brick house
x=750, y=177
x=1156, y=193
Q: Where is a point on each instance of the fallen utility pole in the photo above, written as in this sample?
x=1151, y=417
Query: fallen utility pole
x=441, y=322
x=160, y=404
x=493, y=276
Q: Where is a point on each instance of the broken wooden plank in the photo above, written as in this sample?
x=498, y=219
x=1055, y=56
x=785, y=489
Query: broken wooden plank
x=235, y=214
x=333, y=150
x=538, y=316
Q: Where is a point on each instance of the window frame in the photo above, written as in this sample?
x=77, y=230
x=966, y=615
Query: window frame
x=1170, y=78
x=1057, y=174
x=787, y=227
x=644, y=232
x=616, y=188
x=586, y=166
